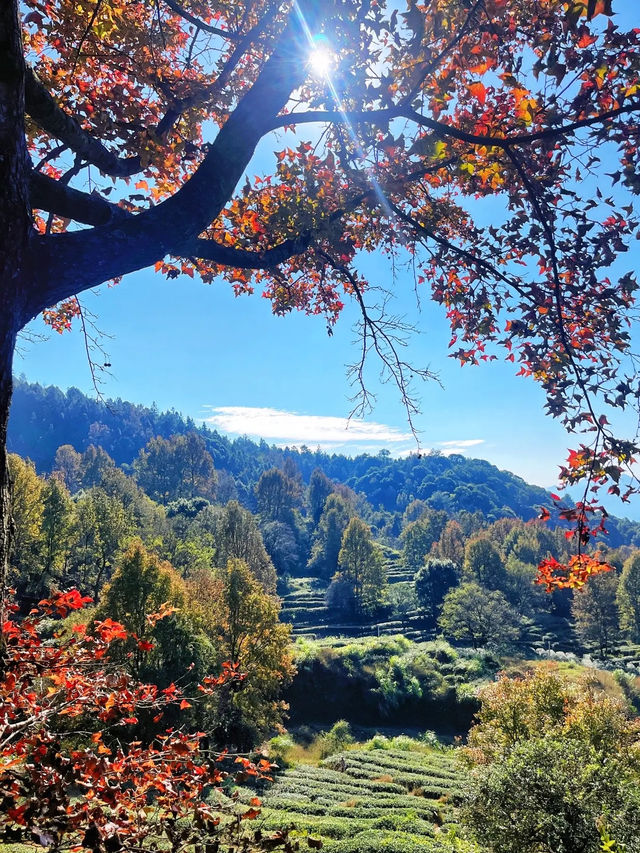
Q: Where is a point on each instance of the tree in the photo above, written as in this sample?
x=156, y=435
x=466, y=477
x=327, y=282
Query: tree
x=156, y=471
x=96, y=462
x=57, y=520
x=68, y=463
x=158, y=650
x=595, y=613
x=198, y=472
x=242, y=621
x=276, y=495
x=67, y=777
x=426, y=110
x=450, y=545
x=27, y=510
x=328, y=537
x=282, y=546
x=234, y=534
x=555, y=768
x=361, y=567
x=432, y=583
x=103, y=527
x=483, y=563
x=629, y=597
x=482, y=616
x=320, y=487
x=521, y=588
x=419, y=536
x=402, y=600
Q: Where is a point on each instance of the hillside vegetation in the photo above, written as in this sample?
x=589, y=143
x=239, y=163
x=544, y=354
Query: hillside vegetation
x=330, y=593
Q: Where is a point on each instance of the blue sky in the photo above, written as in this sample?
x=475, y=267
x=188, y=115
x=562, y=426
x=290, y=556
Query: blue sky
x=212, y=356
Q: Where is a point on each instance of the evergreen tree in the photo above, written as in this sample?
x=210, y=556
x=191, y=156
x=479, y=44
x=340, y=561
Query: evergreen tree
x=276, y=495
x=320, y=487
x=328, y=536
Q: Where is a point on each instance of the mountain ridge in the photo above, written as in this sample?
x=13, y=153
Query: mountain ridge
x=45, y=417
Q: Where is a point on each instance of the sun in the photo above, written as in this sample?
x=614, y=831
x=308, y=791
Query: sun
x=321, y=57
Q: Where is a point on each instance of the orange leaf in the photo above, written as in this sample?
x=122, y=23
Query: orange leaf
x=586, y=40
x=479, y=92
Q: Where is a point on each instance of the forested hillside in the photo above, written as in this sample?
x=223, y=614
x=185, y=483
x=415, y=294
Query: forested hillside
x=45, y=418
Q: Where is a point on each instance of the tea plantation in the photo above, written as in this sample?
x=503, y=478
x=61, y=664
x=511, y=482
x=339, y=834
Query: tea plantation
x=365, y=800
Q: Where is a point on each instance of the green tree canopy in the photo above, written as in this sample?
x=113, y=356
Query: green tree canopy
x=480, y=616
x=629, y=597
x=242, y=622
x=432, y=583
x=361, y=567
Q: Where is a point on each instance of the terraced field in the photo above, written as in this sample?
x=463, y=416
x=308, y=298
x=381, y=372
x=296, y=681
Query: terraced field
x=369, y=801
x=305, y=608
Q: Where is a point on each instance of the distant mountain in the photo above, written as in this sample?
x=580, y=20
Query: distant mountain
x=43, y=418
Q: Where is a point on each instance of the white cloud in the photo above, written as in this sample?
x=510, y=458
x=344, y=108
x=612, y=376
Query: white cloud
x=460, y=445
x=331, y=434
x=290, y=427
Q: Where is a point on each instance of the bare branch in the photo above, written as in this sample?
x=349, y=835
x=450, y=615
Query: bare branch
x=92, y=337
x=384, y=335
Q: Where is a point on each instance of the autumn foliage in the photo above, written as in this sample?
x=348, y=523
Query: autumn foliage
x=74, y=772
x=142, y=120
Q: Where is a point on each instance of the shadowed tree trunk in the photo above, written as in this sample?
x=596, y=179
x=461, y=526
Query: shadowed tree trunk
x=15, y=224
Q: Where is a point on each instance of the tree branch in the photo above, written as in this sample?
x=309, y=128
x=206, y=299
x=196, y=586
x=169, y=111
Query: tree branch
x=198, y=22
x=87, y=208
x=435, y=62
x=46, y=113
x=69, y=263
x=442, y=129
x=229, y=257
x=476, y=260
x=384, y=335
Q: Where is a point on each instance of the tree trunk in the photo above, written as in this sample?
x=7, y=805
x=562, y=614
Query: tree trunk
x=5, y=508
x=15, y=229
